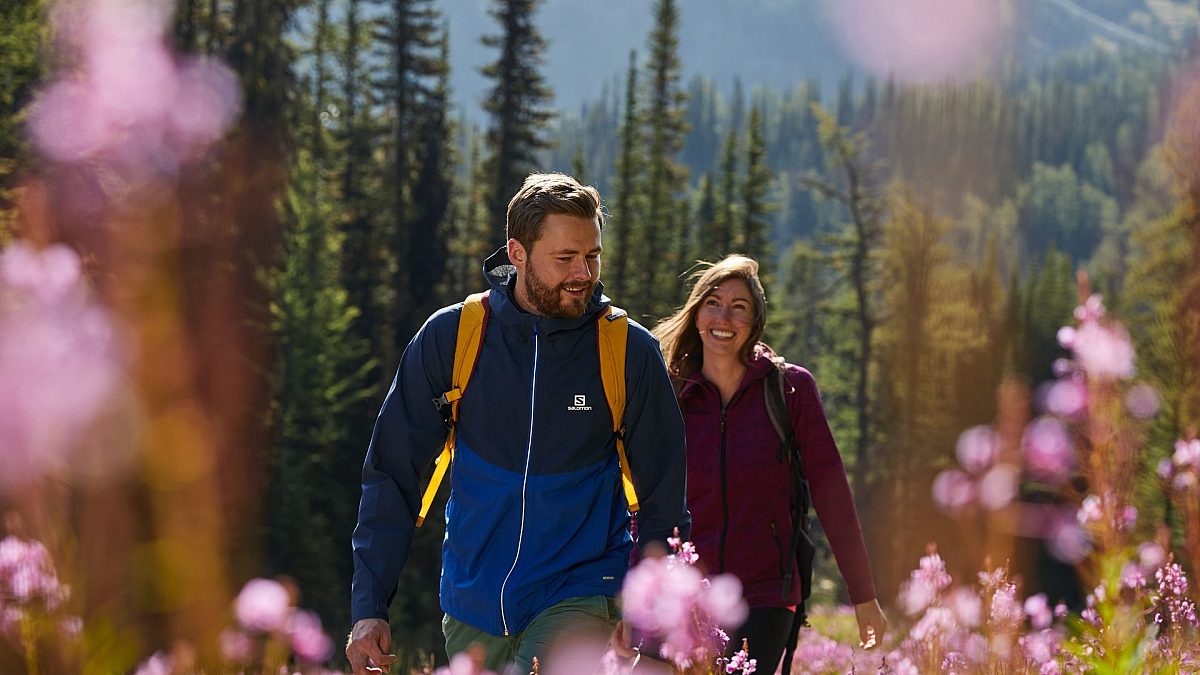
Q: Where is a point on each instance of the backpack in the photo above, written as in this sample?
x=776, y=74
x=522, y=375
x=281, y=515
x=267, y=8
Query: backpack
x=612, y=331
x=775, y=392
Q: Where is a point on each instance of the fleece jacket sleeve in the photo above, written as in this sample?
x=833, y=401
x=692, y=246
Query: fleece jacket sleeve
x=831, y=494
x=654, y=442
x=408, y=434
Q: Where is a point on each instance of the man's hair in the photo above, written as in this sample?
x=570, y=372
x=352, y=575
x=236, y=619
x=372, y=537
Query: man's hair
x=677, y=334
x=546, y=193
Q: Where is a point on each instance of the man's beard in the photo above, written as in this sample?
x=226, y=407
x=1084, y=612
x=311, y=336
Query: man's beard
x=548, y=301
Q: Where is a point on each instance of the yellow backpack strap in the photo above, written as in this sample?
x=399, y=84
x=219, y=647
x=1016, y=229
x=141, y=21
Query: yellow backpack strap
x=612, y=334
x=471, y=323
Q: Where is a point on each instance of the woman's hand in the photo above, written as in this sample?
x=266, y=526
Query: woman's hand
x=872, y=624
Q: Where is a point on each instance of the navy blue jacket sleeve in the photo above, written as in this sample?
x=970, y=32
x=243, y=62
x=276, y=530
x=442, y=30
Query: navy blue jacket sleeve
x=408, y=434
x=654, y=441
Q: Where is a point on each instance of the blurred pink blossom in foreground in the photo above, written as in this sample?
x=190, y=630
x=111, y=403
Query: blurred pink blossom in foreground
x=667, y=601
x=130, y=101
x=59, y=360
x=920, y=40
x=265, y=612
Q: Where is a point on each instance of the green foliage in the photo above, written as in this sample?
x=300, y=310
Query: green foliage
x=317, y=380
x=517, y=102
x=1046, y=304
x=21, y=44
x=628, y=202
x=755, y=193
x=662, y=243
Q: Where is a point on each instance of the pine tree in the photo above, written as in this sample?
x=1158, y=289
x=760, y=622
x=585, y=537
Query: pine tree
x=517, y=103
x=707, y=225
x=410, y=36
x=728, y=238
x=853, y=185
x=432, y=193
x=755, y=194
x=663, y=244
x=315, y=396
x=626, y=220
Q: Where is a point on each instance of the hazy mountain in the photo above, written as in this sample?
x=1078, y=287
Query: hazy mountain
x=781, y=42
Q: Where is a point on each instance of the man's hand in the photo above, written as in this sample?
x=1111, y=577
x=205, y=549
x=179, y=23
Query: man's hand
x=620, y=642
x=872, y=624
x=367, y=648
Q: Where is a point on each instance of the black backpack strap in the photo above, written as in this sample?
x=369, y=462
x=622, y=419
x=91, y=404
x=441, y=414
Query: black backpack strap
x=775, y=393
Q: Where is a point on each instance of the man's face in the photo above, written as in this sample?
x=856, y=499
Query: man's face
x=558, y=276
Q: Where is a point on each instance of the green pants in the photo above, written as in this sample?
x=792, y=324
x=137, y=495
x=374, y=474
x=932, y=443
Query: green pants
x=581, y=625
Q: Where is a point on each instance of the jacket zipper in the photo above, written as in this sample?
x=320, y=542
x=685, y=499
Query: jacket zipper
x=524, y=482
x=724, y=500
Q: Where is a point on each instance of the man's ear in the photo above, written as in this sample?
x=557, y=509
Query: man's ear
x=517, y=254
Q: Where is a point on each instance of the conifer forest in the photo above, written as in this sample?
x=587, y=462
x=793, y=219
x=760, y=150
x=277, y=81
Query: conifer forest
x=221, y=221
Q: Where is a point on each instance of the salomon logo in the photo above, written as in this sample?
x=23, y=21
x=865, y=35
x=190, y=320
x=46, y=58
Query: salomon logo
x=580, y=403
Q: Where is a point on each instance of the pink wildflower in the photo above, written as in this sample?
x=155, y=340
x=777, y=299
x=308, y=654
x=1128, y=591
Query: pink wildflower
x=953, y=489
x=1151, y=556
x=1049, y=455
x=263, y=605
x=309, y=642
x=1066, y=398
x=1007, y=612
x=59, y=361
x=1091, y=511
x=998, y=487
x=1037, y=608
x=1187, y=453
x=1142, y=401
x=967, y=606
x=1104, y=351
x=977, y=448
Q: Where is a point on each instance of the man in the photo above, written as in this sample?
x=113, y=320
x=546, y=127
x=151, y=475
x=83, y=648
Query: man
x=537, y=541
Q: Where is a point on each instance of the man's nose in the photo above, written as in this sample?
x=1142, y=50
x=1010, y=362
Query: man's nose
x=581, y=269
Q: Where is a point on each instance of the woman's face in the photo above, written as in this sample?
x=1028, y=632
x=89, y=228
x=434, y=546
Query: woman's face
x=725, y=318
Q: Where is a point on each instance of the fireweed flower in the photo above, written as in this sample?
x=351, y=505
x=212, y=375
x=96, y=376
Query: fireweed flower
x=1142, y=401
x=1103, y=351
x=1151, y=556
x=1037, y=608
x=1171, y=599
x=924, y=584
x=309, y=642
x=59, y=360
x=1049, y=454
x=1187, y=453
x=668, y=601
x=1065, y=398
x=1007, y=612
x=27, y=574
x=1091, y=511
x=977, y=448
x=967, y=607
x=149, y=118
x=954, y=490
x=263, y=605
x=998, y=487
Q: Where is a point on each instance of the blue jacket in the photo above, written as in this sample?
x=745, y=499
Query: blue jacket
x=536, y=512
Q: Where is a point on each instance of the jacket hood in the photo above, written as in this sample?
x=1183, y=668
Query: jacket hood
x=761, y=363
x=501, y=275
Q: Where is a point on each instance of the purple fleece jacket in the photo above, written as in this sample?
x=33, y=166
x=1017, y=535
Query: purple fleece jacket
x=738, y=486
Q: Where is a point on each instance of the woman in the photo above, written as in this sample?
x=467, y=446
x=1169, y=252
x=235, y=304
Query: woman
x=739, y=485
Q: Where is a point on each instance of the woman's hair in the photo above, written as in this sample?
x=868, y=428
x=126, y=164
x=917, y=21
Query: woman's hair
x=677, y=334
